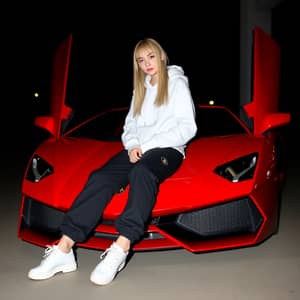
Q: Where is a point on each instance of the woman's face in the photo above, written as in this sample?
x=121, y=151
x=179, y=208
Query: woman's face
x=148, y=62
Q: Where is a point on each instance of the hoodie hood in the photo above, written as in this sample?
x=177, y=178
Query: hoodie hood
x=176, y=72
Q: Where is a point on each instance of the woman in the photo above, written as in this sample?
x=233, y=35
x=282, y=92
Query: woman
x=159, y=124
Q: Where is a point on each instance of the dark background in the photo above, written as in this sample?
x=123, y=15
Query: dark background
x=201, y=37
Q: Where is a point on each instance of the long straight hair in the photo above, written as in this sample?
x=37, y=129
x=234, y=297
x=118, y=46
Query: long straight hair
x=139, y=75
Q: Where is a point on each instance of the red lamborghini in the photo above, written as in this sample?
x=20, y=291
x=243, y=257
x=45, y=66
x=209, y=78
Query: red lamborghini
x=225, y=195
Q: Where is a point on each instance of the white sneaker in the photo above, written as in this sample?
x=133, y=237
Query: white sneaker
x=112, y=261
x=54, y=261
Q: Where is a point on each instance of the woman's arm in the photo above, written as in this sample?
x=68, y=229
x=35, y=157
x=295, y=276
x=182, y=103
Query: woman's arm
x=129, y=136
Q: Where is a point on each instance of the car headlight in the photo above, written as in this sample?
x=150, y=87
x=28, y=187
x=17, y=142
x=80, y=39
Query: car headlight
x=239, y=169
x=38, y=169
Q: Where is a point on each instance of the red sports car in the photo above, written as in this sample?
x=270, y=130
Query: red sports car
x=226, y=194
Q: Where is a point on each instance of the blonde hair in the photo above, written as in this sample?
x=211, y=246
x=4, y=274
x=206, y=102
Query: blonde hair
x=139, y=75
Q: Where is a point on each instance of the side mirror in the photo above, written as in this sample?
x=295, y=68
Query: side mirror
x=275, y=120
x=46, y=123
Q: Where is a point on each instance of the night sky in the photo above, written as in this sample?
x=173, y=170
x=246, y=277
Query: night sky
x=205, y=42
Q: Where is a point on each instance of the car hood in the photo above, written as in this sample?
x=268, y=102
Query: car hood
x=74, y=159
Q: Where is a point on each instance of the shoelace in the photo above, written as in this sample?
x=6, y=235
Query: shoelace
x=113, y=259
x=104, y=253
x=48, y=250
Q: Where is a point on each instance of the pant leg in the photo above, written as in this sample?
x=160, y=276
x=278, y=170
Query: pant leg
x=154, y=167
x=89, y=205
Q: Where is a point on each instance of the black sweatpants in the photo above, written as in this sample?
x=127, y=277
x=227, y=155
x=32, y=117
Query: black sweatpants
x=143, y=178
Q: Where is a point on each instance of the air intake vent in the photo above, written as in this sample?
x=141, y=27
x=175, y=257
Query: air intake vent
x=239, y=216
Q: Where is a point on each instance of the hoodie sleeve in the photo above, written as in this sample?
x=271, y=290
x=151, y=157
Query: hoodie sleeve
x=129, y=136
x=178, y=127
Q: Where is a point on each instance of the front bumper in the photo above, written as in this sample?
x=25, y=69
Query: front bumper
x=231, y=224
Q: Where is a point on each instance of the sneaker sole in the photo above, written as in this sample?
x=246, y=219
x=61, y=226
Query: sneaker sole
x=63, y=269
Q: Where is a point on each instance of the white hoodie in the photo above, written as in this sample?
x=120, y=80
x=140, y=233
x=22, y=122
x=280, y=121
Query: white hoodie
x=169, y=125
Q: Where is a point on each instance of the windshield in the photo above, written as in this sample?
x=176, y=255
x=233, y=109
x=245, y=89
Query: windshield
x=211, y=121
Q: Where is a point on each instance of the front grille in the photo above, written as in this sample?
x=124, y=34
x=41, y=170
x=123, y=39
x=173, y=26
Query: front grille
x=234, y=217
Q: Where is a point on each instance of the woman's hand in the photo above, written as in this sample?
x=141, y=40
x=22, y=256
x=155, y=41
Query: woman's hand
x=135, y=154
